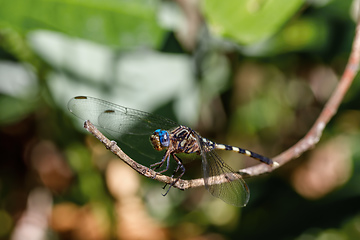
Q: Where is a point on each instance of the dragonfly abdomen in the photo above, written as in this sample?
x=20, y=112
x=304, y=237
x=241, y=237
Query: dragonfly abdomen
x=245, y=152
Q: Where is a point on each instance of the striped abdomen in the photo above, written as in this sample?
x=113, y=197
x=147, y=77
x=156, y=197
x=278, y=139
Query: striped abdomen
x=238, y=150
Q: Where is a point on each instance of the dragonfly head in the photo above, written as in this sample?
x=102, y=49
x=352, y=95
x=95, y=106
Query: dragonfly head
x=160, y=139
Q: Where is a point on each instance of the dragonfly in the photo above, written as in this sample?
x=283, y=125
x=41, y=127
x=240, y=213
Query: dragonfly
x=147, y=132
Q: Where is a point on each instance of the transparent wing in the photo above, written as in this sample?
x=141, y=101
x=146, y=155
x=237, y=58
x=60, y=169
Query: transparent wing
x=234, y=191
x=130, y=126
x=97, y=111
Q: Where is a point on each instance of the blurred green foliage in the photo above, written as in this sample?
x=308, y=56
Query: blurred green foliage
x=121, y=24
x=249, y=21
x=249, y=73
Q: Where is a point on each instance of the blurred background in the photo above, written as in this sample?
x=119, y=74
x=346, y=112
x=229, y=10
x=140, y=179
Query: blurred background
x=249, y=73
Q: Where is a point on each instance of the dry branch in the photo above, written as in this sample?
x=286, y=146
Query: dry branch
x=330, y=109
x=309, y=141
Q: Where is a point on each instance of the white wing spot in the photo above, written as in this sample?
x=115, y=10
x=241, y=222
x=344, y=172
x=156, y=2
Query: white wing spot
x=247, y=153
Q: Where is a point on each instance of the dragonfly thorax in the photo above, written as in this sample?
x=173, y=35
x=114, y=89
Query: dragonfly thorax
x=160, y=139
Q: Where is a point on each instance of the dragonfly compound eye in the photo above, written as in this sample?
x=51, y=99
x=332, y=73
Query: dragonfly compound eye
x=160, y=139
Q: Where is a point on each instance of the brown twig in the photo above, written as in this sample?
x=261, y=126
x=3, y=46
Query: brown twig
x=309, y=141
x=314, y=134
x=143, y=170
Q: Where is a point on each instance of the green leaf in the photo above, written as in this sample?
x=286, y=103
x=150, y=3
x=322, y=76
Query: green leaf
x=248, y=21
x=303, y=34
x=122, y=24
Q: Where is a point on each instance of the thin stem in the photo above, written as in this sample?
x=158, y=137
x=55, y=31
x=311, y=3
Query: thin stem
x=304, y=144
x=330, y=109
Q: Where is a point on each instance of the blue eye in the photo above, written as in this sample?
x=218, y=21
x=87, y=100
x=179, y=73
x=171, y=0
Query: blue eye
x=164, y=137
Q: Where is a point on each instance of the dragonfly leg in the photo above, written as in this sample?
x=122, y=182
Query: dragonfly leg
x=167, y=165
x=180, y=166
x=177, y=169
x=158, y=165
